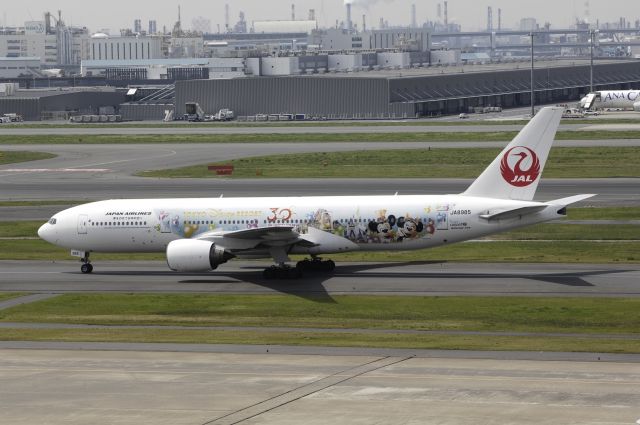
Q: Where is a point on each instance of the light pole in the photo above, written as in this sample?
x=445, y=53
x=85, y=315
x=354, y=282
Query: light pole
x=592, y=34
x=532, y=86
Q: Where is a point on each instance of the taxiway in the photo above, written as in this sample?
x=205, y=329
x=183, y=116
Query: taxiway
x=412, y=278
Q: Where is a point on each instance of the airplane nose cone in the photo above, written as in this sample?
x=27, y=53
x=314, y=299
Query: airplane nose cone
x=43, y=232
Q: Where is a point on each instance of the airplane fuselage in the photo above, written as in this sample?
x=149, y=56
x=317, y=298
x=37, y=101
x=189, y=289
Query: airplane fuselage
x=363, y=222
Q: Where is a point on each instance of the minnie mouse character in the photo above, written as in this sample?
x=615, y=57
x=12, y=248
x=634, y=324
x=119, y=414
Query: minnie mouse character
x=408, y=228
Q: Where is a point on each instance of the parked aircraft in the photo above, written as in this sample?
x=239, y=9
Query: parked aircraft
x=200, y=234
x=612, y=99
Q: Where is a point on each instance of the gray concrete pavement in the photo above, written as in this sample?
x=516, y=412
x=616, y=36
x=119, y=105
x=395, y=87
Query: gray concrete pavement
x=25, y=300
x=140, y=387
x=416, y=278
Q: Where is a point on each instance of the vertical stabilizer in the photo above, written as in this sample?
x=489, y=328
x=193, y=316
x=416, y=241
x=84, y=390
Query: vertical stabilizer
x=516, y=172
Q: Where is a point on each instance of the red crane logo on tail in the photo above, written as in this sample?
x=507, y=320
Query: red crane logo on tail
x=520, y=166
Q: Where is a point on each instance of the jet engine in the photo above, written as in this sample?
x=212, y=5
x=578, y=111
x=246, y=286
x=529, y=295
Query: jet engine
x=636, y=106
x=193, y=255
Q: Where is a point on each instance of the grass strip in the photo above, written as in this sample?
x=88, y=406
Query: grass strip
x=439, y=342
x=604, y=213
x=615, y=316
x=574, y=232
x=9, y=295
x=589, y=162
x=304, y=137
x=12, y=157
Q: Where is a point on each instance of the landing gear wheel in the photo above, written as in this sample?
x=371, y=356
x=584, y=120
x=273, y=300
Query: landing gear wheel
x=269, y=273
x=329, y=265
x=86, y=266
x=316, y=264
x=282, y=272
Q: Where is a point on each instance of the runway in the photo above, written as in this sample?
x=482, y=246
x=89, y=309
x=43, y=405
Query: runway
x=414, y=278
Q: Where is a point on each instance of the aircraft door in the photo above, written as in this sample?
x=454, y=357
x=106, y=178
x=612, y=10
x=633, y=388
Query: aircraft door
x=82, y=224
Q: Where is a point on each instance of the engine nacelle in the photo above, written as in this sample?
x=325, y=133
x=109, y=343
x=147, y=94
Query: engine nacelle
x=193, y=255
x=636, y=106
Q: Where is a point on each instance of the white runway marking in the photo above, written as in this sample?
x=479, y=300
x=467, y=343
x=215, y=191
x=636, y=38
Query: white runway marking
x=57, y=170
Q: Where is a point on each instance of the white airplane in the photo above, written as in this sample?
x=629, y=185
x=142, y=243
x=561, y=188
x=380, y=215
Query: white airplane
x=614, y=99
x=200, y=234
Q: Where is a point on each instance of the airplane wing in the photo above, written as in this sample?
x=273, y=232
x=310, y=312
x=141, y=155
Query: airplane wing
x=263, y=233
x=252, y=238
x=277, y=240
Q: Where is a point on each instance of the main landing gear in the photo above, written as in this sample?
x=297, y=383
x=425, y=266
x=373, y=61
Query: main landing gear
x=316, y=263
x=86, y=266
x=284, y=271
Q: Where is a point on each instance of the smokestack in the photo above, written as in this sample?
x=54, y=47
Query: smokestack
x=349, y=23
x=226, y=17
x=312, y=14
x=47, y=22
x=293, y=12
x=413, y=16
x=499, y=19
x=439, y=13
x=446, y=16
x=489, y=19
x=364, y=22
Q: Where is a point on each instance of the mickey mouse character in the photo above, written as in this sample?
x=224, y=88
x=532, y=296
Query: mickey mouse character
x=408, y=228
x=383, y=228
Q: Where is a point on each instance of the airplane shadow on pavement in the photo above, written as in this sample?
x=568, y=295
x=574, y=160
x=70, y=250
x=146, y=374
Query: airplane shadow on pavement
x=312, y=284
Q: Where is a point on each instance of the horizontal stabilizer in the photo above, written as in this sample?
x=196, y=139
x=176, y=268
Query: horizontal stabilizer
x=570, y=200
x=510, y=213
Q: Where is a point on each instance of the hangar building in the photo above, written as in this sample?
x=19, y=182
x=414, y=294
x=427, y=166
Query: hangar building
x=402, y=93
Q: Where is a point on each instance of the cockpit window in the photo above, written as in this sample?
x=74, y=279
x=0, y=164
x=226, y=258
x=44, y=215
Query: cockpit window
x=52, y=221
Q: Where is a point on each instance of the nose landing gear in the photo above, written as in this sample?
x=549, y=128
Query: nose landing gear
x=86, y=266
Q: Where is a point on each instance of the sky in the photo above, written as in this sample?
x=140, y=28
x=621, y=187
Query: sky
x=471, y=14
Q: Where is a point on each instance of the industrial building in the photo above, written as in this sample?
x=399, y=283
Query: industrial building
x=55, y=45
x=104, y=47
x=36, y=105
x=18, y=67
